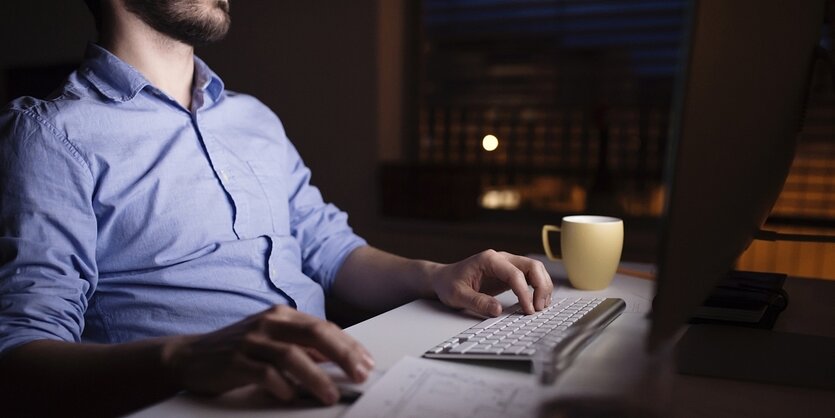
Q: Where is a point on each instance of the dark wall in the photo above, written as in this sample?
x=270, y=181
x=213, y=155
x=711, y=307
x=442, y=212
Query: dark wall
x=40, y=33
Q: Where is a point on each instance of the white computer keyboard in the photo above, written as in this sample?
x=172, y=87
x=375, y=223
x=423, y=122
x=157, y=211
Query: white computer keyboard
x=516, y=336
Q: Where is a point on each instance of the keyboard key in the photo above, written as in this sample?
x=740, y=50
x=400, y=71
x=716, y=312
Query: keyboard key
x=488, y=350
x=436, y=349
x=515, y=349
x=487, y=323
x=463, y=347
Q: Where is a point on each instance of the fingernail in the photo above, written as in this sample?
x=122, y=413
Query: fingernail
x=360, y=373
x=332, y=396
x=369, y=362
x=495, y=309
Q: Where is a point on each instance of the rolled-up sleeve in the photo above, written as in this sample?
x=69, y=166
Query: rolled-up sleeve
x=47, y=232
x=321, y=228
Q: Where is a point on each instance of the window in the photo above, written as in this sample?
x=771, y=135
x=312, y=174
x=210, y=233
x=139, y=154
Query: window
x=574, y=96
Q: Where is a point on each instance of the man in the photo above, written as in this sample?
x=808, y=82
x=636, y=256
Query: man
x=159, y=233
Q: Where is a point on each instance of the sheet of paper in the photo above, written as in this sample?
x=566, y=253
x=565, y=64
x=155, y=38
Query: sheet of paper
x=418, y=388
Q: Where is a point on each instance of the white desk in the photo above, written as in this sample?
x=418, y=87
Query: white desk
x=612, y=365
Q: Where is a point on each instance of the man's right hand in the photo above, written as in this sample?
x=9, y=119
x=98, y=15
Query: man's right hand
x=276, y=349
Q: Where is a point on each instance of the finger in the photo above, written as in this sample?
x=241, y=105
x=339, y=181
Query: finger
x=300, y=324
x=310, y=376
x=267, y=377
x=294, y=361
x=326, y=338
x=537, y=276
x=336, y=345
x=316, y=355
x=500, y=268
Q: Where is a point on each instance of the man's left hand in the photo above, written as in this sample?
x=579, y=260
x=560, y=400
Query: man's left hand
x=472, y=282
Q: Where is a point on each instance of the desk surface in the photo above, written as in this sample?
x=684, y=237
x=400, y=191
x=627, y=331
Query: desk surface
x=613, y=365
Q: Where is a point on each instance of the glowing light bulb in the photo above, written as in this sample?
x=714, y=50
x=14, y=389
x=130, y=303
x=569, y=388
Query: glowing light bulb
x=490, y=142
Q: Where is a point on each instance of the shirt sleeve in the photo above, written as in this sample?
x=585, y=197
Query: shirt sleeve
x=47, y=232
x=321, y=229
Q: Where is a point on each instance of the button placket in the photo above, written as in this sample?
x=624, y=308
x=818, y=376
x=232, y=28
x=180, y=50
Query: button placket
x=226, y=177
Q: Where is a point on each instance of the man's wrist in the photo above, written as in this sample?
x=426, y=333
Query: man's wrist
x=174, y=353
x=430, y=272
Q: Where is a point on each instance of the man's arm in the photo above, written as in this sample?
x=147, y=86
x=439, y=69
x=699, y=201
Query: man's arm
x=52, y=378
x=376, y=280
x=276, y=350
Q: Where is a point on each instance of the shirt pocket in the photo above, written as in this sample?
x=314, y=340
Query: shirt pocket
x=274, y=187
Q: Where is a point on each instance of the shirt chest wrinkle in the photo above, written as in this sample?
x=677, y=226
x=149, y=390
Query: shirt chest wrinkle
x=251, y=185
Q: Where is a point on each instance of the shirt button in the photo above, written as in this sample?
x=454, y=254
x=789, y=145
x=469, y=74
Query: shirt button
x=272, y=273
x=224, y=175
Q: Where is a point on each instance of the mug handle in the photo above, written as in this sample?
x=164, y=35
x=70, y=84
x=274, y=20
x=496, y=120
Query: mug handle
x=545, y=243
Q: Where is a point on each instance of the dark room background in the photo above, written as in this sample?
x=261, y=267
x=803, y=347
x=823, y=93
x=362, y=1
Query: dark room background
x=367, y=90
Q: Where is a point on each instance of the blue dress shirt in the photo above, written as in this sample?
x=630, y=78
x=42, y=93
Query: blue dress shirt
x=124, y=215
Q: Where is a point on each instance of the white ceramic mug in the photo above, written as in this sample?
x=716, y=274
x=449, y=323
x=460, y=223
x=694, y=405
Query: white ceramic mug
x=591, y=249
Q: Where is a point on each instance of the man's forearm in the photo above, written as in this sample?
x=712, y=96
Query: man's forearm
x=54, y=378
x=377, y=281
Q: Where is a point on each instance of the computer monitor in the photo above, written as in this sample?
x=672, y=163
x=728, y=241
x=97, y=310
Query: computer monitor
x=737, y=113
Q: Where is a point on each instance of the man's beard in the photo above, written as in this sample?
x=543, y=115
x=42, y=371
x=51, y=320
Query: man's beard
x=184, y=20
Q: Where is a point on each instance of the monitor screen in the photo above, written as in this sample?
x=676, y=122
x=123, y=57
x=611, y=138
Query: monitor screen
x=738, y=109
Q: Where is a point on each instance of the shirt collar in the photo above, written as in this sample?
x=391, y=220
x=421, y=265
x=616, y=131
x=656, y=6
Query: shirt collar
x=206, y=80
x=121, y=82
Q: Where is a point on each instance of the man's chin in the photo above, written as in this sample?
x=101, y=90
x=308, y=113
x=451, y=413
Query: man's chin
x=201, y=42
x=223, y=5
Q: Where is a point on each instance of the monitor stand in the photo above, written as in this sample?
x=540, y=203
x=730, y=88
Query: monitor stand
x=757, y=355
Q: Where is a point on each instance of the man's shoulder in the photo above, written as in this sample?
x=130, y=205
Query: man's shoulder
x=57, y=122
x=29, y=113
x=246, y=101
x=68, y=102
x=31, y=132
x=242, y=106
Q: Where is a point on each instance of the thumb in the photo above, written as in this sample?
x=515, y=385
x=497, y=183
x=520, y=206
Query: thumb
x=478, y=302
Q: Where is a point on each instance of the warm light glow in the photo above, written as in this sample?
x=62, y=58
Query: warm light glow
x=508, y=199
x=490, y=142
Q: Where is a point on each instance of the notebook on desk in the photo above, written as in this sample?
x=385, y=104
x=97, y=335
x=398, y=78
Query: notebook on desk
x=744, y=298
